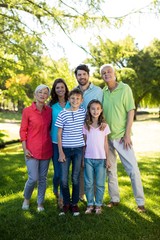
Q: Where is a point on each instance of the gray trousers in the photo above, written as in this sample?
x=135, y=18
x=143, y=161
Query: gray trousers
x=37, y=174
x=129, y=162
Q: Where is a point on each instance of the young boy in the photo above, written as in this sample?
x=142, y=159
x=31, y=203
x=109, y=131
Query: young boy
x=70, y=145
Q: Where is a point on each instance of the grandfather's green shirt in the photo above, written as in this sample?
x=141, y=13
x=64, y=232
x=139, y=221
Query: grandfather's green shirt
x=116, y=105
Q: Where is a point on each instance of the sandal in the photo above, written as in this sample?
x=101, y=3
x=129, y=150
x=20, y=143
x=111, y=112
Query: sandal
x=141, y=209
x=89, y=210
x=112, y=204
x=98, y=210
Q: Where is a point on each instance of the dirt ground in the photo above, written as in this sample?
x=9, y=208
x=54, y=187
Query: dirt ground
x=146, y=134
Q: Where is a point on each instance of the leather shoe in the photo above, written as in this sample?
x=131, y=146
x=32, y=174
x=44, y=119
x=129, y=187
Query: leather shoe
x=141, y=208
x=112, y=204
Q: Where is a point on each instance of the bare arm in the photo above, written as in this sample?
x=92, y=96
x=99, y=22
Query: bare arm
x=62, y=157
x=108, y=164
x=127, y=136
x=84, y=149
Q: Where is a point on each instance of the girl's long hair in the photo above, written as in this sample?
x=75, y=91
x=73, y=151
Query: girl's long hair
x=54, y=96
x=88, y=119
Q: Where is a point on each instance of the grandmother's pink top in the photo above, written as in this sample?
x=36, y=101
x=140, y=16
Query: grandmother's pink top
x=35, y=130
x=95, y=142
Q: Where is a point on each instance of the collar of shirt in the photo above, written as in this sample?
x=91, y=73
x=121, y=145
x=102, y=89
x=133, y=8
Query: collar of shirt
x=120, y=85
x=35, y=108
x=90, y=86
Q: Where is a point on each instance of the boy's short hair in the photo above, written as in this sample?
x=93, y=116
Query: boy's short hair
x=75, y=91
x=82, y=67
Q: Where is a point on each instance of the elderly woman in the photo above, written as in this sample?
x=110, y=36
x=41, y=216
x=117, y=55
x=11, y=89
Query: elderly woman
x=37, y=145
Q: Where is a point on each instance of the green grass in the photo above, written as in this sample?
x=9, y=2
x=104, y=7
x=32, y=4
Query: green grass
x=10, y=116
x=120, y=223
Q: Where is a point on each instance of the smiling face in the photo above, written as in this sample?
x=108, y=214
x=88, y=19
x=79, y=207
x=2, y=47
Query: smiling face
x=82, y=77
x=108, y=74
x=95, y=110
x=42, y=95
x=75, y=101
x=60, y=89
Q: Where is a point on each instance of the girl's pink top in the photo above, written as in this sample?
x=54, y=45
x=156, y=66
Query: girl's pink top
x=95, y=142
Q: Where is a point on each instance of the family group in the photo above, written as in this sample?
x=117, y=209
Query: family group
x=84, y=129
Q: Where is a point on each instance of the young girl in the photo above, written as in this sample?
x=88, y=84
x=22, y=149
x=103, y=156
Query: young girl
x=95, y=132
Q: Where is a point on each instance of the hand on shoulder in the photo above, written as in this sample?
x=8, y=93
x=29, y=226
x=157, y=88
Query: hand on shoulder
x=102, y=126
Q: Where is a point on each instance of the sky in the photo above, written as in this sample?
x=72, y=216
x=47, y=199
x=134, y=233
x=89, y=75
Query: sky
x=143, y=27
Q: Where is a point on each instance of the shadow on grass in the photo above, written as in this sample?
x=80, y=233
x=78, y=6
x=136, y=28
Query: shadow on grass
x=122, y=222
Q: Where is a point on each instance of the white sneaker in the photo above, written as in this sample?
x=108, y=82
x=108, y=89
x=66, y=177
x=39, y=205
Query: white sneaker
x=25, y=206
x=40, y=209
x=76, y=214
x=75, y=210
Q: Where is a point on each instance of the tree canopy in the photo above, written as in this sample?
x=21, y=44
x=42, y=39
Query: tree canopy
x=139, y=68
x=24, y=58
x=24, y=23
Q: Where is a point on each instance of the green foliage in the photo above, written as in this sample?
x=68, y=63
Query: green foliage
x=60, y=69
x=10, y=116
x=2, y=135
x=146, y=65
x=23, y=25
x=107, y=51
x=20, y=88
x=122, y=222
x=138, y=68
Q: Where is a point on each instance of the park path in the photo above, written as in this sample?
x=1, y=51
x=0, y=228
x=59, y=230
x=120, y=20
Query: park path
x=146, y=134
x=11, y=128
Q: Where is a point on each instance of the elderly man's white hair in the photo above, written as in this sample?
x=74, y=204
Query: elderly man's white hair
x=106, y=65
x=40, y=87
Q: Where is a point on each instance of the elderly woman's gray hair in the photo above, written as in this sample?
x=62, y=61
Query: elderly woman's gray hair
x=40, y=87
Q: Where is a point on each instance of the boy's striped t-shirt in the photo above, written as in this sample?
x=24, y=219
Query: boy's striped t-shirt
x=72, y=123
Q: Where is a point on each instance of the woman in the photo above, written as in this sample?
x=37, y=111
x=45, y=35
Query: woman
x=59, y=101
x=37, y=145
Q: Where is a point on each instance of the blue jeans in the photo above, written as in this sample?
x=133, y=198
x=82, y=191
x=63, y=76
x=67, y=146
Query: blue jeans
x=94, y=170
x=74, y=156
x=57, y=170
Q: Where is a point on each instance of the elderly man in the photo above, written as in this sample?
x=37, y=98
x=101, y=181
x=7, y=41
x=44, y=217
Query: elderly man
x=118, y=105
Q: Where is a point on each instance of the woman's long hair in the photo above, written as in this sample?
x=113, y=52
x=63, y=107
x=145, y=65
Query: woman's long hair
x=54, y=96
x=88, y=119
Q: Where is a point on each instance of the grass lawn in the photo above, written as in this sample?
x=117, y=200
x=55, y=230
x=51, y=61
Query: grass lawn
x=122, y=222
x=10, y=116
